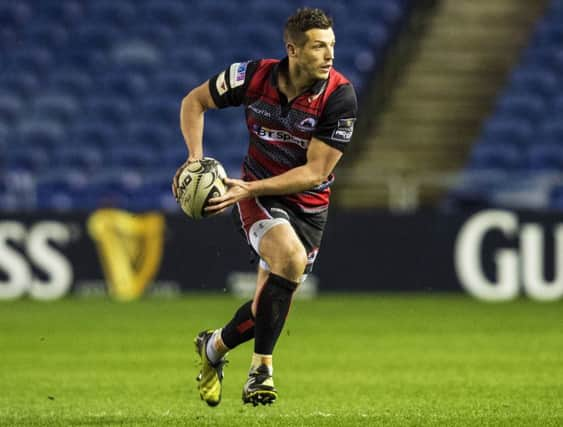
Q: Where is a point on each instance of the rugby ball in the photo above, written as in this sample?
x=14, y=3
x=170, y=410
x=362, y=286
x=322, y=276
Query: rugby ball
x=197, y=183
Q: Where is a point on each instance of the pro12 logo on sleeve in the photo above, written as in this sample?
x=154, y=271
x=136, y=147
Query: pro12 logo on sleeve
x=237, y=74
x=344, y=130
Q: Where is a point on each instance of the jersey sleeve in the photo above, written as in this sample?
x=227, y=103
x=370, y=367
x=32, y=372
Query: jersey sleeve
x=228, y=88
x=336, y=124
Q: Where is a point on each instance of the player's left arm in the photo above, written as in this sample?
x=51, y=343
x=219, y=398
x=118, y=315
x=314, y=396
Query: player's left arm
x=321, y=160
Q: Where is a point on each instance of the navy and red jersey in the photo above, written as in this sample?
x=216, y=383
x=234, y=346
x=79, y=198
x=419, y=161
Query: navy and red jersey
x=280, y=130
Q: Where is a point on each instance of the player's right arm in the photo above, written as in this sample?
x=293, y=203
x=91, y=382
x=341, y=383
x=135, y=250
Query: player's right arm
x=226, y=89
x=192, y=110
x=193, y=107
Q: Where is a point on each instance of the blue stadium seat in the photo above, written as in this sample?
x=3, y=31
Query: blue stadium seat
x=551, y=130
x=539, y=56
x=80, y=157
x=150, y=134
x=17, y=191
x=222, y=12
x=549, y=32
x=372, y=37
x=4, y=138
x=60, y=190
x=557, y=105
x=534, y=79
x=68, y=12
x=523, y=106
x=260, y=40
x=41, y=133
x=32, y=60
x=132, y=157
x=197, y=62
x=475, y=189
x=546, y=157
x=496, y=155
x=556, y=198
x=9, y=199
x=135, y=54
x=11, y=106
x=364, y=61
x=388, y=11
x=71, y=81
x=507, y=130
x=162, y=111
x=557, y=6
x=113, y=110
x=9, y=37
x=169, y=13
x=48, y=35
x=263, y=11
x=125, y=85
x=197, y=34
x=16, y=14
x=120, y=13
x=112, y=188
x=339, y=10
x=21, y=83
x=175, y=84
x=95, y=36
x=59, y=107
x=173, y=156
x=159, y=35
x=154, y=193
x=94, y=132
x=92, y=61
x=26, y=158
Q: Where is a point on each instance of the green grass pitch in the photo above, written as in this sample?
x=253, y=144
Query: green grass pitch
x=364, y=360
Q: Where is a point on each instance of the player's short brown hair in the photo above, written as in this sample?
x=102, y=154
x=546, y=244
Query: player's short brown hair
x=302, y=20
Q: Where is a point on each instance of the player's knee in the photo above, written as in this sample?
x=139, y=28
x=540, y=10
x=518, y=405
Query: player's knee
x=299, y=259
x=291, y=260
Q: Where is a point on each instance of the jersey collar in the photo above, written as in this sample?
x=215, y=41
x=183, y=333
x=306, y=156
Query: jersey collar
x=316, y=89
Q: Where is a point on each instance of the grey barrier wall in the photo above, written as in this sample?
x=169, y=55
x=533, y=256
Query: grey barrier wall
x=490, y=254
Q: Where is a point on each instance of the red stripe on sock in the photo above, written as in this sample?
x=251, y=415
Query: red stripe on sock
x=245, y=326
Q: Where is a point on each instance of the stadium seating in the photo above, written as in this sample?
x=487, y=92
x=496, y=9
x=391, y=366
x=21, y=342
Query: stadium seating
x=17, y=191
x=11, y=107
x=522, y=141
x=90, y=91
x=60, y=190
x=80, y=157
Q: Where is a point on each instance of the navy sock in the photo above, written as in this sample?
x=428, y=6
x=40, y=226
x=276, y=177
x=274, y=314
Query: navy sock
x=271, y=311
x=241, y=327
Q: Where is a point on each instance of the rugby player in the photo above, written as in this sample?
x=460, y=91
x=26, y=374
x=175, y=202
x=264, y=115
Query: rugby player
x=300, y=114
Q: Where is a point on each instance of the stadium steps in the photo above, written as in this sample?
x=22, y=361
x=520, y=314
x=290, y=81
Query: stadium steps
x=442, y=97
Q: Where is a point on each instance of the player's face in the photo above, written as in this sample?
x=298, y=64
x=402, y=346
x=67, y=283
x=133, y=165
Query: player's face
x=316, y=56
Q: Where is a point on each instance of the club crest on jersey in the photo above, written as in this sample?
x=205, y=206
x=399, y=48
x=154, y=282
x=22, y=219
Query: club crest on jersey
x=237, y=74
x=344, y=130
x=307, y=124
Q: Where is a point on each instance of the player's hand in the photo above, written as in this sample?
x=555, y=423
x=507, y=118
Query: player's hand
x=175, y=183
x=237, y=190
x=175, y=180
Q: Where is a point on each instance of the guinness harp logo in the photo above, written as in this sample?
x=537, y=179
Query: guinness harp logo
x=130, y=249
